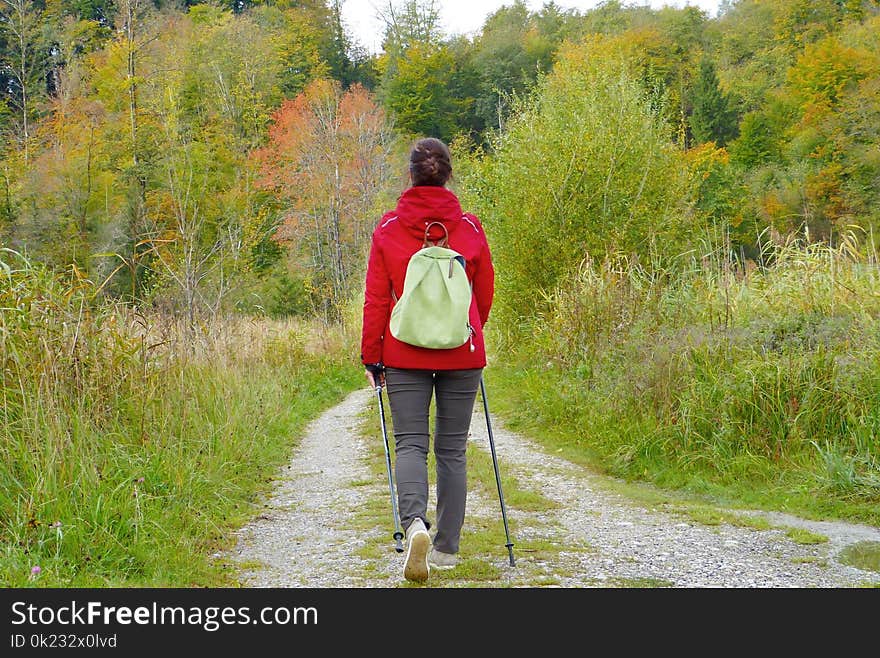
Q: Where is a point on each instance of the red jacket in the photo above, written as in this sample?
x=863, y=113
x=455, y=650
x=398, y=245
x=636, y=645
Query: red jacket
x=398, y=236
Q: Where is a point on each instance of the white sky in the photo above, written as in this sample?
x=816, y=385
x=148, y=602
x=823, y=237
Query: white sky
x=467, y=16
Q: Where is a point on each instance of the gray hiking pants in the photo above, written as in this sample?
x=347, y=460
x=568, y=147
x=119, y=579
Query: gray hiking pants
x=409, y=395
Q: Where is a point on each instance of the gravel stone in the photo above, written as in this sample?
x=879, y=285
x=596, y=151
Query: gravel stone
x=303, y=537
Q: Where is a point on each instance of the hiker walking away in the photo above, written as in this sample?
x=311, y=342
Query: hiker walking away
x=411, y=374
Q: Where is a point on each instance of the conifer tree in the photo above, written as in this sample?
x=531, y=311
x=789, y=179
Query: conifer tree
x=711, y=119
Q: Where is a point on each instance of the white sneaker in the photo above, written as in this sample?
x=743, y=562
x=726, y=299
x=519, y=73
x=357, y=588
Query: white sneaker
x=418, y=542
x=441, y=560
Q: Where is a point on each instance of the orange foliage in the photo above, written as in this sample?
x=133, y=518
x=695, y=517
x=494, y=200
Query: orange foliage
x=825, y=190
x=320, y=144
x=774, y=210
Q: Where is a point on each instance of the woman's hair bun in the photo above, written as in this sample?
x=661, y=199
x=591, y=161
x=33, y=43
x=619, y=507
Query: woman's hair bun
x=430, y=162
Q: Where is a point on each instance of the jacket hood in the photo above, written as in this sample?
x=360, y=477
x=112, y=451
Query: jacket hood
x=425, y=203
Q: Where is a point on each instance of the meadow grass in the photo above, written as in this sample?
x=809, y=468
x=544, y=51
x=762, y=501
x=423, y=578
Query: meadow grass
x=741, y=385
x=863, y=555
x=133, y=447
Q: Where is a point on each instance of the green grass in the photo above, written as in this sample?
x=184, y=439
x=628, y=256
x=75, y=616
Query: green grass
x=483, y=554
x=149, y=513
x=801, y=536
x=758, y=391
x=553, y=408
x=862, y=555
x=131, y=450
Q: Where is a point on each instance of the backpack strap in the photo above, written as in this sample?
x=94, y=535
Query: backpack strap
x=442, y=242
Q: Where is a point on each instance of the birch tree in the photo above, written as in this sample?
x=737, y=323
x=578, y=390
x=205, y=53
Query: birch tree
x=23, y=61
x=327, y=161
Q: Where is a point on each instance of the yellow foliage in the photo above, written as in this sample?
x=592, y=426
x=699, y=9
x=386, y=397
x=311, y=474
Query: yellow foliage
x=772, y=208
x=703, y=159
x=825, y=72
x=825, y=189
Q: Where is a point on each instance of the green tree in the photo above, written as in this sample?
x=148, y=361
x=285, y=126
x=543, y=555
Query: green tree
x=515, y=47
x=24, y=60
x=711, y=118
x=586, y=169
x=296, y=39
x=759, y=141
x=410, y=23
x=613, y=17
x=505, y=68
x=418, y=96
x=100, y=11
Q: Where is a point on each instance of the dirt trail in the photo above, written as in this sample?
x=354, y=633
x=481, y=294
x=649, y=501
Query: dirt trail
x=307, y=535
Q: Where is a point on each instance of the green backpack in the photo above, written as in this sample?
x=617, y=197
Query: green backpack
x=433, y=309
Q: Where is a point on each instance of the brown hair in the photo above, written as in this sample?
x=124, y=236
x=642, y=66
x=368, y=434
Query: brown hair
x=430, y=162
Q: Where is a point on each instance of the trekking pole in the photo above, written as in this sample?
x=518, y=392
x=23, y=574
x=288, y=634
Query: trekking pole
x=509, y=543
x=398, y=534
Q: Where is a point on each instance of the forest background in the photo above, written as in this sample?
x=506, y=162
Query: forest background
x=682, y=211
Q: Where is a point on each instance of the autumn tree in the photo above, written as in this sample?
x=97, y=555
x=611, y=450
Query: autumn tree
x=211, y=106
x=74, y=181
x=23, y=61
x=116, y=74
x=327, y=162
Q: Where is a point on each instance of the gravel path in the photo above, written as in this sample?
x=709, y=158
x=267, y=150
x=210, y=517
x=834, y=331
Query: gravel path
x=304, y=539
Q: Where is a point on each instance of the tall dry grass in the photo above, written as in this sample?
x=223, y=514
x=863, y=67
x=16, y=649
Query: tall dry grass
x=757, y=381
x=131, y=442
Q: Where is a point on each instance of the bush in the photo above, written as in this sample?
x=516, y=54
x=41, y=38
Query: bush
x=759, y=382
x=584, y=168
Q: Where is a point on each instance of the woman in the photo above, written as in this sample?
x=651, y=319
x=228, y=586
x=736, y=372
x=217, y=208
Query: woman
x=412, y=375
